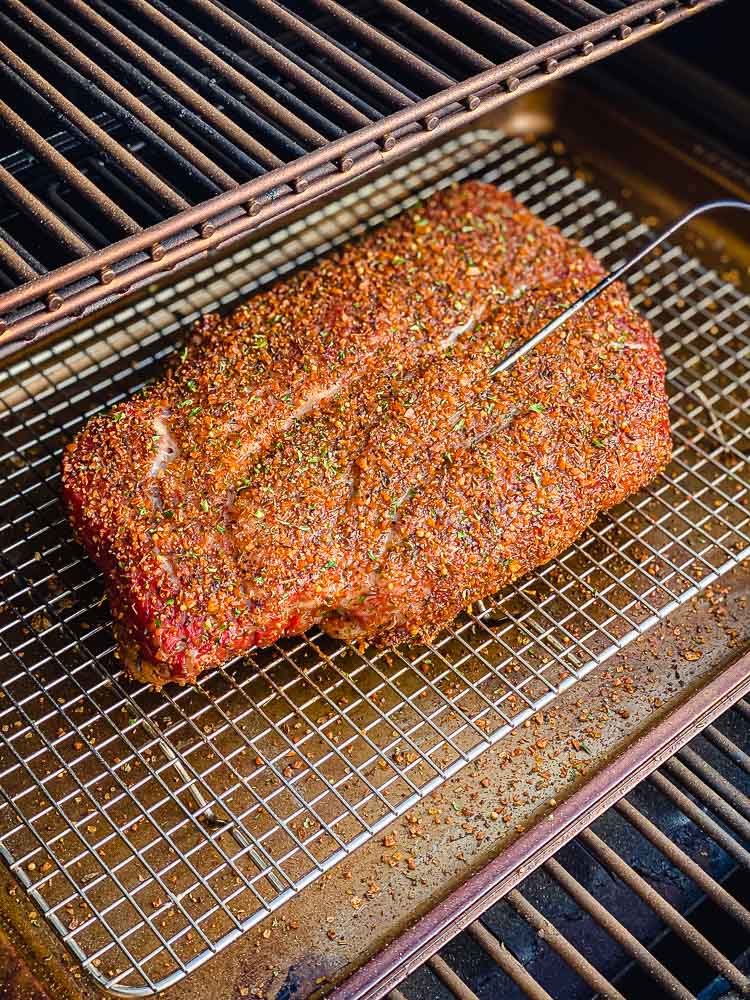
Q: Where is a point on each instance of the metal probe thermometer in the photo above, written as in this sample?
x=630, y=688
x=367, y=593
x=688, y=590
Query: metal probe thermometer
x=610, y=278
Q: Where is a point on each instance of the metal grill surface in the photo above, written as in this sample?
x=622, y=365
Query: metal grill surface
x=151, y=830
x=651, y=900
x=139, y=135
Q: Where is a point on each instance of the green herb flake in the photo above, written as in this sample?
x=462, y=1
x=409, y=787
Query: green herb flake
x=330, y=564
x=192, y=385
x=117, y=417
x=537, y=408
x=537, y=478
x=260, y=514
x=204, y=506
x=598, y=443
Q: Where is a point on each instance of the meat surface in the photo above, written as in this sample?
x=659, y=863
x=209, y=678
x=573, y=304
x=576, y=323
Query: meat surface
x=334, y=452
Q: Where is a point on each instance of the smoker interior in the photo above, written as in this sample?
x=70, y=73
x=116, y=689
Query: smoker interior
x=653, y=899
x=137, y=136
x=152, y=830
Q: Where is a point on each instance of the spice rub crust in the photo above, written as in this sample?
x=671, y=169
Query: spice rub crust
x=333, y=452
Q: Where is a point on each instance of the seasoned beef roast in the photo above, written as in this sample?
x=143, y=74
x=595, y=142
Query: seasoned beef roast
x=333, y=451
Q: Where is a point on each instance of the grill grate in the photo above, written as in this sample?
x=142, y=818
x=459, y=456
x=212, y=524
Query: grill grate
x=652, y=900
x=136, y=136
x=151, y=830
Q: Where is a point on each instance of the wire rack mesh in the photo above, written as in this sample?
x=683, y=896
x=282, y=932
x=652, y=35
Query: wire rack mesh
x=152, y=829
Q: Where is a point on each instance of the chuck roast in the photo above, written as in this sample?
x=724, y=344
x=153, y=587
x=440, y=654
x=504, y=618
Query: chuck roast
x=333, y=451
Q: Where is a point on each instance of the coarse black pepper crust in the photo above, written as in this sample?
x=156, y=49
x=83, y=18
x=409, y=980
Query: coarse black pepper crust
x=333, y=452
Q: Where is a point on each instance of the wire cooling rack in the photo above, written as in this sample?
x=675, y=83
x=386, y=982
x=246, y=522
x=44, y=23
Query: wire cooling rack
x=151, y=830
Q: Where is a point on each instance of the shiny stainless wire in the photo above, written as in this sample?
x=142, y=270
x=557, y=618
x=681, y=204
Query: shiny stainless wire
x=214, y=806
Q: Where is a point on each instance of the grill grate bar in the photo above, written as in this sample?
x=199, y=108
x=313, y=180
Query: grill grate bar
x=12, y=258
x=443, y=39
x=257, y=96
x=717, y=833
x=286, y=63
x=679, y=924
x=72, y=175
x=729, y=748
x=36, y=210
x=712, y=778
x=540, y=19
x=508, y=962
x=685, y=863
x=106, y=19
x=568, y=952
x=617, y=930
x=451, y=979
x=355, y=67
x=476, y=19
x=129, y=70
x=88, y=128
x=581, y=7
x=131, y=109
x=253, y=785
x=382, y=43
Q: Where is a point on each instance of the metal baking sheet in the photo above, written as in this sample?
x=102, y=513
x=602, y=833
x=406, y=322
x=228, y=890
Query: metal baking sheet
x=151, y=830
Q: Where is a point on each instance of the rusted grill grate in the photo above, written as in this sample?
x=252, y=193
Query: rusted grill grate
x=159, y=827
x=652, y=900
x=135, y=136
